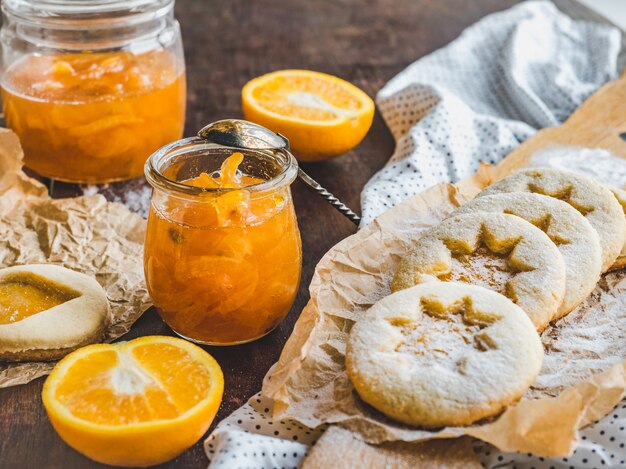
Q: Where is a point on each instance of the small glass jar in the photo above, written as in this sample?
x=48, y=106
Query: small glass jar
x=222, y=265
x=92, y=88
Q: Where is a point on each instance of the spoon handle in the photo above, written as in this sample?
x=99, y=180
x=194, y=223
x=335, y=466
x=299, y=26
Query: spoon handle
x=332, y=200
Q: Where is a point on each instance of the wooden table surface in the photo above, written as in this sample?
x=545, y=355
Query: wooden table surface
x=228, y=42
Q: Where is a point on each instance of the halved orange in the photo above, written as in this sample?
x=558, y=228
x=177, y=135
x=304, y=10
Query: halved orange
x=322, y=116
x=136, y=403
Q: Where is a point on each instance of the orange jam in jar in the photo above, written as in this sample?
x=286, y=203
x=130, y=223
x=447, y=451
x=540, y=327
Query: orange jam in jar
x=94, y=117
x=93, y=103
x=222, y=251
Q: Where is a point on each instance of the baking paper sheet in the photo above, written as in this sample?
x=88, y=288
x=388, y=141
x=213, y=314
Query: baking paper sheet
x=87, y=234
x=583, y=375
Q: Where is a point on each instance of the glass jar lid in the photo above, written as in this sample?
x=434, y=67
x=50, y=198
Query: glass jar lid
x=80, y=25
x=63, y=11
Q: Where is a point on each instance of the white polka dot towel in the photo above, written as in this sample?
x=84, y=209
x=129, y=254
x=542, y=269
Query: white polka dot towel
x=478, y=98
x=474, y=100
x=251, y=439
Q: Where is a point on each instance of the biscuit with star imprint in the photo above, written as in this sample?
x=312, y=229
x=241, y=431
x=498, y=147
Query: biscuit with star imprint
x=590, y=197
x=620, y=262
x=443, y=354
x=501, y=252
x=576, y=239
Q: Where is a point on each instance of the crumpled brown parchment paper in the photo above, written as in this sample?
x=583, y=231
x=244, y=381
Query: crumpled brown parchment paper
x=87, y=234
x=583, y=375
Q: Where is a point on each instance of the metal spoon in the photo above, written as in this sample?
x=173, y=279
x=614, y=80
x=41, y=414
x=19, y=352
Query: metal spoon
x=239, y=133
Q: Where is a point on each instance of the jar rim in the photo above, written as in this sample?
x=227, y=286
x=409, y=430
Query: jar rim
x=157, y=179
x=70, y=11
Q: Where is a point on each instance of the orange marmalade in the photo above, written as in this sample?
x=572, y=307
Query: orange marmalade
x=29, y=294
x=223, y=269
x=94, y=117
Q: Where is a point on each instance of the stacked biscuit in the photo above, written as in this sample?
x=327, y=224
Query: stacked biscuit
x=458, y=340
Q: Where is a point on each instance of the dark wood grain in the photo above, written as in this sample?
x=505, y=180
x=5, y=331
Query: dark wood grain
x=227, y=42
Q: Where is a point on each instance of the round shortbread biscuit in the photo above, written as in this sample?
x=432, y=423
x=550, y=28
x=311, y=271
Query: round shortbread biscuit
x=80, y=317
x=502, y=252
x=585, y=194
x=620, y=262
x=576, y=239
x=443, y=354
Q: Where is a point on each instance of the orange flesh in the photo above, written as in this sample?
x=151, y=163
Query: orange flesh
x=147, y=383
x=28, y=295
x=285, y=96
x=94, y=117
x=225, y=270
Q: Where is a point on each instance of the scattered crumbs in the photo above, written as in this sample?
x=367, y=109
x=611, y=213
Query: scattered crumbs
x=136, y=200
x=598, y=163
x=133, y=194
x=91, y=189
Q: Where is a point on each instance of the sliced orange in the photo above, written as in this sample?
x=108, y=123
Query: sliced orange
x=322, y=116
x=136, y=403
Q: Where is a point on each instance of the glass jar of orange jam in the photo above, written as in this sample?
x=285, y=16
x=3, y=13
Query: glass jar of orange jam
x=222, y=250
x=92, y=88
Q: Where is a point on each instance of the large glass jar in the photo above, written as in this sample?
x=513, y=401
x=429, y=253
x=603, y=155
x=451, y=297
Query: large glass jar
x=222, y=264
x=92, y=88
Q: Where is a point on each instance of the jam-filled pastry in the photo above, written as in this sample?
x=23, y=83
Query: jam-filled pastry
x=47, y=311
